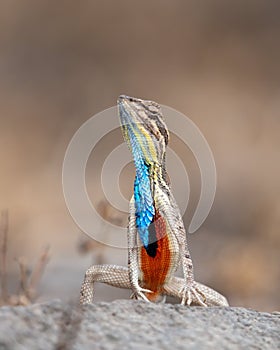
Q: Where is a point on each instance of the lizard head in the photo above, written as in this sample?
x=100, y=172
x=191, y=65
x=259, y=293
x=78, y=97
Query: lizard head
x=143, y=128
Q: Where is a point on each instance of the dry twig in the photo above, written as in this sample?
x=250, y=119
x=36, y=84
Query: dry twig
x=28, y=282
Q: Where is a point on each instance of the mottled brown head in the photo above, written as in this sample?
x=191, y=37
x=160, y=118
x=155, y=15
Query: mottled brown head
x=142, y=123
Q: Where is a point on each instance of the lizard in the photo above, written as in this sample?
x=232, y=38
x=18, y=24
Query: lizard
x=157, y=240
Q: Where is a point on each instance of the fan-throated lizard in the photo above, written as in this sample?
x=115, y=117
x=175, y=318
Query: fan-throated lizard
x=157, y=242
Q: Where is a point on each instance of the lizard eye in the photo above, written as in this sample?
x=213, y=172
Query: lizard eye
x=153, y=109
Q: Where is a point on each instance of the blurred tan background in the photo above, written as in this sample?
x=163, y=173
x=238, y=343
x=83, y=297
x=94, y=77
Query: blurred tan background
x=215, y=61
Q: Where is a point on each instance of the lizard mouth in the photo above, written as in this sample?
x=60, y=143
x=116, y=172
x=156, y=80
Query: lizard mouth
x=128, y=98
x=125, y=98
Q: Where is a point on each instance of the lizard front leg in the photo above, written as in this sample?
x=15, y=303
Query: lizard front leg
x=133, y=266
x=190, y=290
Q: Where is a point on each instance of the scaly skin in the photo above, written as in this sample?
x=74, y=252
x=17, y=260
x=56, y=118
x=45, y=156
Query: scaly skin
x=157, y=241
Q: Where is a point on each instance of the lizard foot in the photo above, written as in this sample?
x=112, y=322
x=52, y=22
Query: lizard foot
x=139, y=294
x=192, y=293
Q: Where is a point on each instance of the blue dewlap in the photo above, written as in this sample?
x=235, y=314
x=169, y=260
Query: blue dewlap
x=144, y=204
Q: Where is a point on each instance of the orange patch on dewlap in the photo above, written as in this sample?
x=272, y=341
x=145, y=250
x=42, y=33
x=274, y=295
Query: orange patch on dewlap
x=155, y=269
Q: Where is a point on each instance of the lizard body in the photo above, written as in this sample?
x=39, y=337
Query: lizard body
x=157, y=242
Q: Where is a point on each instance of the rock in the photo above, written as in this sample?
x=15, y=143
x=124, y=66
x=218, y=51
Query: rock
x=129, y=324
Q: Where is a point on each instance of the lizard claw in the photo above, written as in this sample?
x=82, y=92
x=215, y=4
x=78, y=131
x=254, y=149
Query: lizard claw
x=191, y=294
x=139, y=294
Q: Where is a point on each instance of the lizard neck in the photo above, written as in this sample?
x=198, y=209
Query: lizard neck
x=159, y=177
